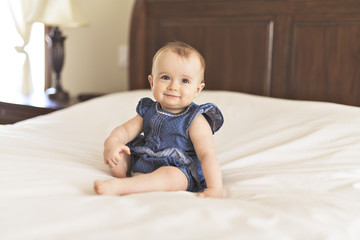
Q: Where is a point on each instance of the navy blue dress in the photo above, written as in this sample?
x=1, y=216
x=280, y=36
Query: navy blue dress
x=165, y=140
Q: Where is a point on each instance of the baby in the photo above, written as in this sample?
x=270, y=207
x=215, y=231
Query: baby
x=170, y=141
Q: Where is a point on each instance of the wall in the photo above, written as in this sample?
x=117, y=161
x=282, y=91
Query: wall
x=91, y=57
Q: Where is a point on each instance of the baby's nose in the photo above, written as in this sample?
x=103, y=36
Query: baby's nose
x=173, y=85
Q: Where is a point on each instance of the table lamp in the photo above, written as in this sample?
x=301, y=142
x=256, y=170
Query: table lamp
x=56, y=14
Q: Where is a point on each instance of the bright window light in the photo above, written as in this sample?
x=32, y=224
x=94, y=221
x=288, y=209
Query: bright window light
x=11, y=62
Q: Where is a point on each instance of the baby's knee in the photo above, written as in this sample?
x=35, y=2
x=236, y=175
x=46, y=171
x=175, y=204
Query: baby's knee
x=174, y=173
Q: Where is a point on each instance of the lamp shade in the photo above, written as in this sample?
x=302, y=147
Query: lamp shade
x=64, y=13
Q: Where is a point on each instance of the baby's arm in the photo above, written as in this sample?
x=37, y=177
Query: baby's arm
x=114, y=145
x=204, y=144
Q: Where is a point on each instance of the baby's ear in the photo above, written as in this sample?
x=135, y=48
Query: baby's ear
x=150, y=78
x=200, y=88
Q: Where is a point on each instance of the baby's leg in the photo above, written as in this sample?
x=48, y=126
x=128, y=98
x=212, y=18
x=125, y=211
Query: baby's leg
x=163, y=179
x=122, y=168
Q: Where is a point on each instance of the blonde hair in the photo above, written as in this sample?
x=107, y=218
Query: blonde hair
x=184, y=50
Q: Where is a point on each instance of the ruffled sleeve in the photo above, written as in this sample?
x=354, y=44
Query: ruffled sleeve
x=144, y=105
x=213, y=115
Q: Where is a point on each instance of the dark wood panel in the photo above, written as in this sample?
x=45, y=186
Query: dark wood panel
x=231, y=8
x=18, y=107
x=246, y=43
x=11, y=113
x=297, y=49
x=326, y=62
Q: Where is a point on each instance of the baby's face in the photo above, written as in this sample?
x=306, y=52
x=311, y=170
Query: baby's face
x=176, y=81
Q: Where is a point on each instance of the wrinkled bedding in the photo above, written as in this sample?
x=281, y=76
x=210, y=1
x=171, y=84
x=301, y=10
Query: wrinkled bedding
x=291, y=170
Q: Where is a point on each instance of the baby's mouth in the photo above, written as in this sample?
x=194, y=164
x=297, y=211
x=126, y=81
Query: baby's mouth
x=171, y=95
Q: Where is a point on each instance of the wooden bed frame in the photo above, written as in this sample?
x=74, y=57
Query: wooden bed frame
x=295, y=49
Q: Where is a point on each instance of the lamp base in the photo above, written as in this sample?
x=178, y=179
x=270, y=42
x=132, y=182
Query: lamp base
x=56, y=94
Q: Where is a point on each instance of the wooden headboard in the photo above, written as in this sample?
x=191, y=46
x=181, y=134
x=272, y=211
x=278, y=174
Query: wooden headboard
x=296, y=49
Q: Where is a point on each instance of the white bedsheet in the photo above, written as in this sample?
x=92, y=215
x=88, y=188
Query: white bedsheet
x=291, y=170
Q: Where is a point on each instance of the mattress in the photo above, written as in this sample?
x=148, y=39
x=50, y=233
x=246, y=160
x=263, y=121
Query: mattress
x=291, y=170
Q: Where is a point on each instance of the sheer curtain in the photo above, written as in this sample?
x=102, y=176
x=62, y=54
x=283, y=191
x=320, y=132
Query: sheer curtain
x=21, y=12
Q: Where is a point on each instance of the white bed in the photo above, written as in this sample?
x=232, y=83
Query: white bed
x=291, y=170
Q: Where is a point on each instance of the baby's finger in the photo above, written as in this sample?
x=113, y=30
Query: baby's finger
x=113, y=162
x=126, y=149
x=201, y=195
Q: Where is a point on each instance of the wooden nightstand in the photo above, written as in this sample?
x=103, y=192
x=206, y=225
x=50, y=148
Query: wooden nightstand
x=16, y=108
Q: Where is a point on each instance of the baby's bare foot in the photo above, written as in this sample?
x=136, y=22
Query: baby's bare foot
x=108, y=187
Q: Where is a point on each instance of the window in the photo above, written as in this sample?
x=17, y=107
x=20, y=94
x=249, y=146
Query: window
x=11, y=62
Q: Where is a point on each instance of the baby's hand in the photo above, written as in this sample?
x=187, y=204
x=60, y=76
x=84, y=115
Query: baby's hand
x=210, y=192
x=113, y=154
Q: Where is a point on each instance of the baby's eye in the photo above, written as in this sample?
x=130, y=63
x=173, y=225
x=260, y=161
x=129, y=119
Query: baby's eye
x=165, y=77
x=185, y=80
